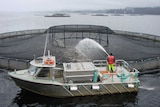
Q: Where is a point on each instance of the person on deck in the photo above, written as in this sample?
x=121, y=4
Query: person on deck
x=111, y=61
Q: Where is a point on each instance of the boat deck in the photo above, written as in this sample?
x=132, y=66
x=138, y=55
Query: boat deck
x=121, y=74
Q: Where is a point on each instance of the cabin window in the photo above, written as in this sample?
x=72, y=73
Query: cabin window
x=32, y=70
x=44, y=72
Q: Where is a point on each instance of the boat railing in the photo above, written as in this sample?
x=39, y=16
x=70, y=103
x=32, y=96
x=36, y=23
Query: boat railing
x=39, y=60
x=123, y=63
x=104, y=62
x=99, y=63
x=119, y=62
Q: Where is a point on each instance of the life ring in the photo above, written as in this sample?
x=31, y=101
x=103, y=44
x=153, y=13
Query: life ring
x=49, y=62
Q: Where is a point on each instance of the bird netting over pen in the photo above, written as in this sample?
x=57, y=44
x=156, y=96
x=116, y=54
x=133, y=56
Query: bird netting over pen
x=75, y=43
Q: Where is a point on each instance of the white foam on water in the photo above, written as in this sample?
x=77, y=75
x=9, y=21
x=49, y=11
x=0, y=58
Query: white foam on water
x=147, y=88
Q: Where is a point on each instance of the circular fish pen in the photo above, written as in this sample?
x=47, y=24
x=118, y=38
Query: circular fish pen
x=70, y=43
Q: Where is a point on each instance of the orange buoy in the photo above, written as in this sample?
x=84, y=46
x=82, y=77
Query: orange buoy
x=49, y=62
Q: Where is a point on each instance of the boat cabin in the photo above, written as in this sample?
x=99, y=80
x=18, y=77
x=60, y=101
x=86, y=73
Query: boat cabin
x=45, y=68
x=76, y=72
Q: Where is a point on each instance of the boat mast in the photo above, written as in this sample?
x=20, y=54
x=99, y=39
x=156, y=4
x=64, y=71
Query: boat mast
x=45, y=47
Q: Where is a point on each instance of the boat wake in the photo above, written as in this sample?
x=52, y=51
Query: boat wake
x=147, y=88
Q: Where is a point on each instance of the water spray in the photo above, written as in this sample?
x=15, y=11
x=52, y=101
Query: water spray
x=90, y=43
x=106, y=53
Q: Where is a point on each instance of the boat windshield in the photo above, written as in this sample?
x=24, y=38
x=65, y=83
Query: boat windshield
x=44, y=72
x=32, y=70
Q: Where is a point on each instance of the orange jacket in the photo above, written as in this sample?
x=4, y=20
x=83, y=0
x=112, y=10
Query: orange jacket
x=110, y=59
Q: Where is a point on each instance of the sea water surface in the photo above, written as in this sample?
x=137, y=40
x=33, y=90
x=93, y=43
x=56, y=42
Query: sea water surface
x=147, y=96
x=149, y=90
x=149, y=24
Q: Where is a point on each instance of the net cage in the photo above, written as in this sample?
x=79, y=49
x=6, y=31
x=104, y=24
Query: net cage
x=79, y=43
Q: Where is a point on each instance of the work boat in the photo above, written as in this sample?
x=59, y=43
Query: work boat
x=71, y=79
x=76, y=78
